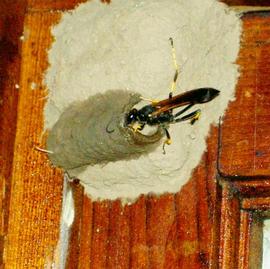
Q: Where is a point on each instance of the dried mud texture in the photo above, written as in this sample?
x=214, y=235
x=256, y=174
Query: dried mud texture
x=92, y=132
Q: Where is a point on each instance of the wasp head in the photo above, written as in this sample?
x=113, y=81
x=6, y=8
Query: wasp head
x=132, y=116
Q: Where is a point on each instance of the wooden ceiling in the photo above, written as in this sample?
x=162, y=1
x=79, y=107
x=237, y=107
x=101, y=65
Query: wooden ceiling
x=183, y=230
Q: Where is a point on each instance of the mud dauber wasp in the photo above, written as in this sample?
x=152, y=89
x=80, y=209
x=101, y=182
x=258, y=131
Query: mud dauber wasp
x=160, y=113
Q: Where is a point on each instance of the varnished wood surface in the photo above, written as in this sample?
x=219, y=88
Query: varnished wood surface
x=246, y=130
x=171, y=231
x=36, y=188
x=11, y=25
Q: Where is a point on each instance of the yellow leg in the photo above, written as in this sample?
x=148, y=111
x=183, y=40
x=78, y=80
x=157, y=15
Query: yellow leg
x=136, y=127
x=168, y=140
x=195, y=117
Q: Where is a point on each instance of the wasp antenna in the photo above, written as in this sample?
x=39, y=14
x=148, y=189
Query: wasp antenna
x=173, y=86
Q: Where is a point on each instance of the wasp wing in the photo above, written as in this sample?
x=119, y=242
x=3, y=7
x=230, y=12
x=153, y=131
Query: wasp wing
x=197, y=96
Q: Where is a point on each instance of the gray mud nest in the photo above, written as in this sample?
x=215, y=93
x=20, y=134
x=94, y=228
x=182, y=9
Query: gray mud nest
x=92, y=132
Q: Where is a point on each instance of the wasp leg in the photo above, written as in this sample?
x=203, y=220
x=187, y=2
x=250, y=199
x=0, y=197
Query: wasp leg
x=193, y=116
x=173, y=86
x=168, y=140
x=183, y=110
x=137, y=126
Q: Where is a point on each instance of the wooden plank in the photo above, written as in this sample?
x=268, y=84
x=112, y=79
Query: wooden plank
x=187, y=227
x=229, y=231
x=160, y=219
x=118, y=249
x=11, y=25
x=256, y=203
x=245, y=147
x=244, y=239
x=36, y=188
x=100, y=233
x=198, y=211
x=255, y=252
x=86, y=234
x=253, y=188
x=138, y=241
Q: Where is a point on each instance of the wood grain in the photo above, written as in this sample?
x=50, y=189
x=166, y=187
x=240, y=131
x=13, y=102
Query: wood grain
x=244, y=239
x=247, y=123
x=230, y=218
x=36, y=188
x=199, y=227
x=11, y=16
